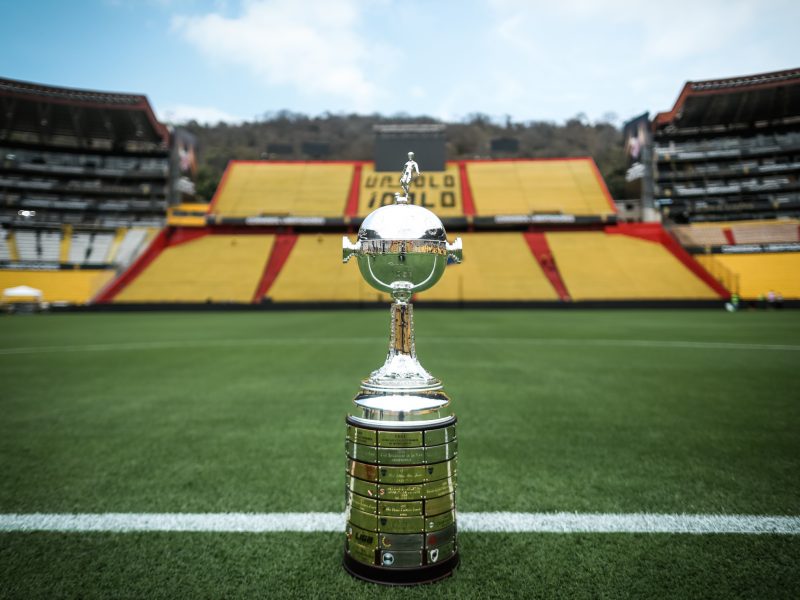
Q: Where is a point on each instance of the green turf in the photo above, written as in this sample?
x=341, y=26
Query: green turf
x=244, y=412
x=158, y=565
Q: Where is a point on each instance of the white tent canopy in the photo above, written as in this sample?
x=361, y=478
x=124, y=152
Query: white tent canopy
x=22, y=291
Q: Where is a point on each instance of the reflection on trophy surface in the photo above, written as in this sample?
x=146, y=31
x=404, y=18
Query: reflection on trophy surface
x=401, y=436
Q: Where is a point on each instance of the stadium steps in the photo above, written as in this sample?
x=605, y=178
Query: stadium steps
x=130, y=246
x=467, y=198
x=567, y=186
x=759, y=273
x=496, y=267
x=610, y=266
x=537, y=242
x=351, y=208
x=198, y=267
x=116, y=243
x=284, y=243
x=5, y=244
x=49, y=245
x=100, y=244
x=66, y=242
x=76, y=286
x=79, y=248
x=251, y=188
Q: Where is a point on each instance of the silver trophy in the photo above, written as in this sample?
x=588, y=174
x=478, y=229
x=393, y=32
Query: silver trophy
x=401, y=436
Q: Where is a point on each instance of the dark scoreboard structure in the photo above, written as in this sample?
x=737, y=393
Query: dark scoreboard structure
x=394, y=142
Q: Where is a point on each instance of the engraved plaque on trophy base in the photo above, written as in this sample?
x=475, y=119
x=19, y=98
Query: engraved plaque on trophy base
x=401, y=501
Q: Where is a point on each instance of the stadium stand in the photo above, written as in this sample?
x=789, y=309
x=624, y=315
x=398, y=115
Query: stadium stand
x=613, y=266
x=758, y=274
x=516, y=265
x=210, y=268
x=85, y=177
x=730, y=149
x=309, y=274
x=501, y=267
x=565, y=186
x=267, y=188
x=319, y=190
x=81, y=156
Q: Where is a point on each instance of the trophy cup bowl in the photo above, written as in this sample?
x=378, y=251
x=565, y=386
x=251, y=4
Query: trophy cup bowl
x=401, y=435
x=402, y=249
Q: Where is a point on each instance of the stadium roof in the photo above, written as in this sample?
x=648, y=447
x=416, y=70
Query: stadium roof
x=771, y=96
x=50, y=110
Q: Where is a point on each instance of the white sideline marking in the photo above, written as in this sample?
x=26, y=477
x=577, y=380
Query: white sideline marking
x=486, y=522
x=122, y=346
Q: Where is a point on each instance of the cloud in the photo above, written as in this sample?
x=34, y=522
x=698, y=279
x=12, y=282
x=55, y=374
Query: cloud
x=183, y=113
x=680, y=29
x=311, y=46
x=626, y=55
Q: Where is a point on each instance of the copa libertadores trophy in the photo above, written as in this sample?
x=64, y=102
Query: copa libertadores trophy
x=401, y=435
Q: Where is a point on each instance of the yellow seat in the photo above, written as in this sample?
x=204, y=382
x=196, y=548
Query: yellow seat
x=217, y=268
x=760, y=273
x=302, y=189
x=72, y=286
x=600, y=266
x=314, y=273
x=497, y=266
x=537, y=186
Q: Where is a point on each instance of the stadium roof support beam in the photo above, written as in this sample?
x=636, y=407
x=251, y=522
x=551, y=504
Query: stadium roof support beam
x=9, y=110
x=43, y=114
x=78, y=124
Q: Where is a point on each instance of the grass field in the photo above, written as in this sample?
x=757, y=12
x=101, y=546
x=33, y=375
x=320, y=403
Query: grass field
x=586, y=411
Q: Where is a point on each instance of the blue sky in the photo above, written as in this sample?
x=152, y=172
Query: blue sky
x=532, y=60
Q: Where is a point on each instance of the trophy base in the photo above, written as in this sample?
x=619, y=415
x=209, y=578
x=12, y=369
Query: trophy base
x=409, y=576
x=401, y=500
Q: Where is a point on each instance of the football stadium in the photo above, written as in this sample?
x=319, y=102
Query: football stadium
x=176, y=373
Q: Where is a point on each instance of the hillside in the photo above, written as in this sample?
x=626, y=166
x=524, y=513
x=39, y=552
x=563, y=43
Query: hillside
x=351, y=138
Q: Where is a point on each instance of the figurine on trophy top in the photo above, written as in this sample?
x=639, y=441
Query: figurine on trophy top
x=410, y=173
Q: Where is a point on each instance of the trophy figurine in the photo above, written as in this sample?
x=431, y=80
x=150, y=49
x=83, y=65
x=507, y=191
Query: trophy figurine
x=401, y=435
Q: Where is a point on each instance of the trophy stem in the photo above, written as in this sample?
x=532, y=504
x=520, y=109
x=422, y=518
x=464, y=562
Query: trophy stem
x=401, y=370
x=401, y=340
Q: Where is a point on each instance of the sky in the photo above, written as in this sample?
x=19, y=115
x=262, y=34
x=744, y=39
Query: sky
x=232, y=60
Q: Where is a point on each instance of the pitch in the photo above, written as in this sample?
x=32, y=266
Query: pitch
x=609, y=412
